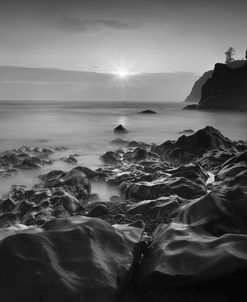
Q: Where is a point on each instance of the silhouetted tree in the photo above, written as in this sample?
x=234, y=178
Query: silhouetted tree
x=246, y=55
x=229, y=55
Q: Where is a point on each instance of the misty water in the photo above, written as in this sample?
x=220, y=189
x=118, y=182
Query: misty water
x=86, y=128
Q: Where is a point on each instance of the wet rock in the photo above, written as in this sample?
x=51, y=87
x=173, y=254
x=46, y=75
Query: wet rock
x=148, y=111
x=140, y=154
x=230, y=171
x=53, y=262
x=71, y=159
x=110, y=157
x=138, y=216
x=69, y=203
x=7, y=205
x=88, y=172
x=212, y=160
x=216, y=214
x=162, y=187
x=188, y=147
x=119, y=141
x=98, y=211
x=30, y=163
x=191, y=256
x=120, y=129
x=162, y=207
x=73, y=182
x=192, y=172
x=119, y=216
x=134, y=144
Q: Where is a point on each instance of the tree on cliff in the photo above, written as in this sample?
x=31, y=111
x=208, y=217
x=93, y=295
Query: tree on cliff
x=229, y=55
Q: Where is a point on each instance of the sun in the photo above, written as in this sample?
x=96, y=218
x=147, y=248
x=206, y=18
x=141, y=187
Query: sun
x=122, y=73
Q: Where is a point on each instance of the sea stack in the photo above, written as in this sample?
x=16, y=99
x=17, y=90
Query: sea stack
x=120, y=129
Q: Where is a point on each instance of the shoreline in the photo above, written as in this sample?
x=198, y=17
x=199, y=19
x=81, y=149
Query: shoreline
x=193, y=186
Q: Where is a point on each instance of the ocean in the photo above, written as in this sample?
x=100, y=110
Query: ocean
x=86, y=128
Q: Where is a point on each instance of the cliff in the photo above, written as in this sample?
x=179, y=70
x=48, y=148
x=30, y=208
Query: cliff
x=226, y=90
x=195, y=94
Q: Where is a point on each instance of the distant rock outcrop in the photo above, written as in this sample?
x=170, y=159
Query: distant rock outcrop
x=226, y=90
x=195, y=94
x=148, y=112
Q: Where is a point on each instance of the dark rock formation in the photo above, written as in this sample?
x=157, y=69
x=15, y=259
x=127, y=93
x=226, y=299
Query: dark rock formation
x=164, y=207
x=98, y=211
x=195, y=94
x=216, y=214
x=120, y=129
x=194, y=207
x=191, y=146
x=180, y=186
x=134, y=144
x=60, y=194
x=181, y=254
x=191, y=107
x=71, y=159
x=110, y=157
x=147, y=112
x=119, y=141
x=226, y=90
x=24, y=158
x=187, y=131
x=74, y=259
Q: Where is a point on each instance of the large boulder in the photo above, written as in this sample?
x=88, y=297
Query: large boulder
x=162, y=187
x=216, y=214
x=181, y=254
x=185, y=148
x=74, y=182
x=120, y=129
x=162, y=207
x=75, y=259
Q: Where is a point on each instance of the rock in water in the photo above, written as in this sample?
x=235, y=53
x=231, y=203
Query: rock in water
x=120, y=129
x=195, y=94
x=148, y=112
x=191, y=107
x=75, y=259
x=226, y=90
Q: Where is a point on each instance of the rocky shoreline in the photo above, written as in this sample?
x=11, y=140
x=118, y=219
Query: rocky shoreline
x=179, y=223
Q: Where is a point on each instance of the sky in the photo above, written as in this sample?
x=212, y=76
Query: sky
x=150, y=36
